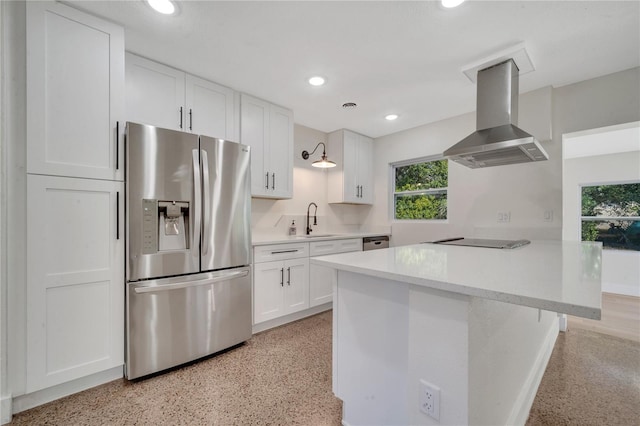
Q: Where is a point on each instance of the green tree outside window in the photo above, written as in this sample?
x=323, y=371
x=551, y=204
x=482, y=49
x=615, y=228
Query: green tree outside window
x=611, y=215
x=420, y=190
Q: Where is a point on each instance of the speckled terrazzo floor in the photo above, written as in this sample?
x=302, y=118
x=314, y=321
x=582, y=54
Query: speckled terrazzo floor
x=283, y=377
x=279, y=377
x=592, y=379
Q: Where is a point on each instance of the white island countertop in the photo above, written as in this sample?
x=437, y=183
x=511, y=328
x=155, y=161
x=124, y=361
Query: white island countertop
x=558, y=276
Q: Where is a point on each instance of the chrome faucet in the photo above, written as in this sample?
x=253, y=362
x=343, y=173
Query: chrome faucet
x=315, y=217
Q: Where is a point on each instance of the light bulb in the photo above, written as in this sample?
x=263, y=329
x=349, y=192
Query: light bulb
x=317, y=81
x=166, y=7
x=451, y=3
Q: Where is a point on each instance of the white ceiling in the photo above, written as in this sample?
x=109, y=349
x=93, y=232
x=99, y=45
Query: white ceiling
x=386, y=56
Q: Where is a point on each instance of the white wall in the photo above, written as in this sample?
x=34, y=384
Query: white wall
x=602, y=156
x=475, y=196
x=309, y=185
x=526, y=190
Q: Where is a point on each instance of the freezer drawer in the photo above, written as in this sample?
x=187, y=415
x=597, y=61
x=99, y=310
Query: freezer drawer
x=176, y=320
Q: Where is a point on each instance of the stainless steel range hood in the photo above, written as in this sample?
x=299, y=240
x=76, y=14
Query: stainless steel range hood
x=497, y=141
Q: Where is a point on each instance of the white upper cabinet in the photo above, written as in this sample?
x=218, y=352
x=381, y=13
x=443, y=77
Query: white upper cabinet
x=166, y=97
x=75, y=93
x=268, y=129
x=155, y=93
x=351, y=181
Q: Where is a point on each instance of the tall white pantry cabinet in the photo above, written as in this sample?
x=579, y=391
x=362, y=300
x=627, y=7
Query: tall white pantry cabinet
x=75, y=195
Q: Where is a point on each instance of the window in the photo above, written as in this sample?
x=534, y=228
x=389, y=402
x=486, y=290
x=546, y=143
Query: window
x=611, y=214
x=420, y=190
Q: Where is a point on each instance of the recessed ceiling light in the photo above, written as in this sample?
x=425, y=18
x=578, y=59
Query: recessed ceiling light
x=451, y=3
x=317, y=81
x=391, y=117
x=166, y=7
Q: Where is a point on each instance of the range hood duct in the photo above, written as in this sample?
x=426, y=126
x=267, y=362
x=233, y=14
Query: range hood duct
x=497, y=141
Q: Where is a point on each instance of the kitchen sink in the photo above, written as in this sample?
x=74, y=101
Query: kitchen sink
x=317, y=236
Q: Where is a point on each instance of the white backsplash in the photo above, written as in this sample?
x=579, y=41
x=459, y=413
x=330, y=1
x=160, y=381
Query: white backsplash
x=326, y=224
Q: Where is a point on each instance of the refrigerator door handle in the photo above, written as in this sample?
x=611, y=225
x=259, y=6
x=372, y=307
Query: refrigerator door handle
x=207, y=203
x=196, y=283
x=197, y=189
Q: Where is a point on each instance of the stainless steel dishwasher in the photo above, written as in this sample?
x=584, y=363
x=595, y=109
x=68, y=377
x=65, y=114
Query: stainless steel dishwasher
x=374, y=243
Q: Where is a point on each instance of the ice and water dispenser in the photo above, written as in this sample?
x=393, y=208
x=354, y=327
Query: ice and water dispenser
x=165, y=226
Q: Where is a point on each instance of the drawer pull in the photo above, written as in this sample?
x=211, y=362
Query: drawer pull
x=284, y=251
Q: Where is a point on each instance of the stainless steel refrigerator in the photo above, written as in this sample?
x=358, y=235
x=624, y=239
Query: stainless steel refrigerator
x=188, y=247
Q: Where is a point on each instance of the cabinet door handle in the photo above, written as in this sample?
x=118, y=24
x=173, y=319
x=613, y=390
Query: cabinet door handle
x=181, y=117
x=360, y=191
x=267, y=174
x=273, y=183
x=117, y=145
x=284, y=251
x=117, y=215
x=190, y=119
x=281, y=277
x=289, y=276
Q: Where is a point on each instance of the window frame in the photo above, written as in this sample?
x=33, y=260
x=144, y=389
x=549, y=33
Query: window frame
x=604, y=218
x=393, y=193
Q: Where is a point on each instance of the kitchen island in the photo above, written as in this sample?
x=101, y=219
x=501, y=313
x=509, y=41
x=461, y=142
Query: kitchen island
x=476, y=324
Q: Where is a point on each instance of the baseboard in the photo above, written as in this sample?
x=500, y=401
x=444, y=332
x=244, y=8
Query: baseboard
x=522, y=406
x=562, y=322
x=277, y=322
x=344, y=414
x=5, y=410
x=31, y=400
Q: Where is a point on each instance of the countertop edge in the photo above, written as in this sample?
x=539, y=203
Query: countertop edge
x=515, y=299
x=285, y=239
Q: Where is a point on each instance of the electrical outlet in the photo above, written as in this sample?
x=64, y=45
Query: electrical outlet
x=429, y=399
x=504, y=217
x=548, y=215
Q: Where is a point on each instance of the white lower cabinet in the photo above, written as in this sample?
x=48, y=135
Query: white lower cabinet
x=284, y=282
x=321, y=278
x=280, y=288
x=75, y=286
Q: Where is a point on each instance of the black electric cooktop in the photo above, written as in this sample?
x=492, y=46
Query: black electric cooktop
x=478, y=242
